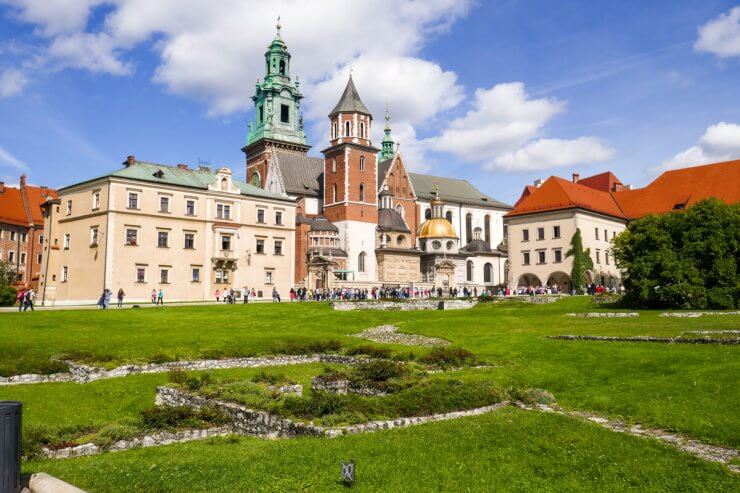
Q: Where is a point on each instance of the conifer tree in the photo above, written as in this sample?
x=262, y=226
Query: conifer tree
x=581, y=261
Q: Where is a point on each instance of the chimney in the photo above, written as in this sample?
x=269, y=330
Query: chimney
x=23, y=181
x=206, y=169
x=2, y=186
x=130, y=160
x=538, y=182
x=44, y=191
x=628, y=187
x=576, y=177
x=183, y=167
x=617, y=187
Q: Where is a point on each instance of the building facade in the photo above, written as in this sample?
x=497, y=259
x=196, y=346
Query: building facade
x=22, y=230
x=188, y=232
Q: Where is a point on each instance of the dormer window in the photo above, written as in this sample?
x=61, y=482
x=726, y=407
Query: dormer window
x=158, y=174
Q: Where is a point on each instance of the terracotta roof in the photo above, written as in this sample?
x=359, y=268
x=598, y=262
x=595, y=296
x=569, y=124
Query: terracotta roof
x=528, y=190
x=20, y=210
x=36, y=196
x=603, y=181
x=680, y=188
x=11, y=207
x=557, y=193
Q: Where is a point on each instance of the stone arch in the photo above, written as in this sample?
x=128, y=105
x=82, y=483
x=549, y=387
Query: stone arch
x=529, y=280
x=561, y=280
x=469, y=271
x=488, y=273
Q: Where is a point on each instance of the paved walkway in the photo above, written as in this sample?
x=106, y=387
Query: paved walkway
x=143, y=304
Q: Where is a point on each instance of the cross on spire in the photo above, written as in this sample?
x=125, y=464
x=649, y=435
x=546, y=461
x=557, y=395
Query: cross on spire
x=278, y=26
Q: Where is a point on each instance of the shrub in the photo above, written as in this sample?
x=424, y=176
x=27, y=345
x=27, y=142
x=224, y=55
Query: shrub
x=178, y=376
x=446, y=357
x=112, y=433
x=310, y=347
x=223, y=353
x=8, y=295
x=195, y=381
x=534, y=396
x=164, y=417
x=160, y=357
x=372, y=351
x=374, y=372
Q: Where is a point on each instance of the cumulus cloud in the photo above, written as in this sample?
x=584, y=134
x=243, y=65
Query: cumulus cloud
x=53, y=16
x=12, y=82
x=553, y=153
x=720, y=142
x=721, y=36
x=92, y=52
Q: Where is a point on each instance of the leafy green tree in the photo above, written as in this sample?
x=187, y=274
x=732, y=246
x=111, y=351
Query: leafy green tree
x=582, y=261
x=686, y=259
x=7, y=291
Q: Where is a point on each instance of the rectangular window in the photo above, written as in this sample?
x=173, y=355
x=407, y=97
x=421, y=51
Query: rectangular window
x=540, y=257
x=222, y=276
x=189, y=241
x=606, y=258
x=223, y=211
x=12, y=236
x=11, y=257
x=261, y=111
x=69, y=207
x=1, y=234
x=614, y=234
x=133, y=200
x=558, y=256
x=556, y=231
x=38, y=259
x=606, y=235
x=279, y=218
x=260, y=246
x=261, y=216
x=525, y=258
x=164, y=204
x=268, y=277
x=96, y=200
x=540, y=233
x=163, y=238
x=141, y=274
x=164, y=276
x=195, y=272
x=24, y=237
x=67, y=240
x=596, y=231
x=23, y=258
x=225, y=242
x=525, y=235
x=190, y=207
x=132, y=236
x=94, y=236
x=65, y=273
x=284, y=113
x=598, y=257
x=278, y=247
x=41, y=239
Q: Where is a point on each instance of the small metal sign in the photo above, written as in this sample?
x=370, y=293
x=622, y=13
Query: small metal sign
x=348, y=472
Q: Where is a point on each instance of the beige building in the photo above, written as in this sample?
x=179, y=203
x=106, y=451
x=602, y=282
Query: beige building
x=188, y=232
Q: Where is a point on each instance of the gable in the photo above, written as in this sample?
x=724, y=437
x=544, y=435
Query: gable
x=397, y=179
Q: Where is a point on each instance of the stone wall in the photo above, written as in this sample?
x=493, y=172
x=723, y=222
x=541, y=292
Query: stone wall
x=680, y=340
x=35, y=378
x=413, y=304
x=695, y=314
x=343, y=387
x=604, y=315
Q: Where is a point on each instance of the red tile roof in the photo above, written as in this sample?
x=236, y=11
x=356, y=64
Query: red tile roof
x=22, y=206
x=672, y=190
x=11, y=207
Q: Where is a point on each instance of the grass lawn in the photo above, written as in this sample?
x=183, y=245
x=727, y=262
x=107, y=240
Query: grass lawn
x=692, y=389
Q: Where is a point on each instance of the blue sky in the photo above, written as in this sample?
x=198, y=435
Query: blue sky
x=500, y=93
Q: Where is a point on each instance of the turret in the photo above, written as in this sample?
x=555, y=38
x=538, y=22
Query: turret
x=387, y=144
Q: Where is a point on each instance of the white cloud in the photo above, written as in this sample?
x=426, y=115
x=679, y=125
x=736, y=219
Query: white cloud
x=721, y=36
x=92, y=52
x=553, y=153
x=9, y=160
x=54, y=16
x=12, y=82
x=720, y=142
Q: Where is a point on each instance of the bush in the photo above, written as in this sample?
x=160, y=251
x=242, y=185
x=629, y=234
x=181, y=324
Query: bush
x=368, y=350
x=8, y=295
x=270, y=378
x=112, y=433
x=534, y=396
x=449, y=357
x=178, y=376
x=166, y=417
x=310, y=347
x=159, y=358
x=374, y=372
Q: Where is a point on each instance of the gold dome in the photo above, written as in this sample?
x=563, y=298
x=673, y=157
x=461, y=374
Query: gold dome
x=437, y=227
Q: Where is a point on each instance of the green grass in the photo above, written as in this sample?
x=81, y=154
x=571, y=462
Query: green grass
x=692, y=389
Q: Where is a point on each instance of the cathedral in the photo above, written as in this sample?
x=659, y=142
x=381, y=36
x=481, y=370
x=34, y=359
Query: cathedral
x=363, y=219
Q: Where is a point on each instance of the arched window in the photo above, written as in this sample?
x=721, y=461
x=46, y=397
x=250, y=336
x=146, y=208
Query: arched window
x=362, y=129
x=255, y=180
x=334, y=192
x=401, y=212
x=488, y=273
x=346, y=129
x=362, y=192
x=448, y=215
x=428, y=214
x=469, y=271
x=224, y=184
x=334, y=131
x=487, y=229
x=468, y=228
x=450, y=245
x=282, y=67
x=333, y=165
x=362, y=163
x=399, y=240
x=361, y=262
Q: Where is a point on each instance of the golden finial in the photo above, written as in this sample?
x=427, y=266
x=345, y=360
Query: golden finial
x=436, y=187
x=278, y=26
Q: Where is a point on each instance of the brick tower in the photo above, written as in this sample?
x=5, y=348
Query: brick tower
x=350, y=182
x=278, y=122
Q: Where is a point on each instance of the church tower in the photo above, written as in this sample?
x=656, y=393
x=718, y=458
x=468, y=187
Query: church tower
x=278, y=122
x=351, y=181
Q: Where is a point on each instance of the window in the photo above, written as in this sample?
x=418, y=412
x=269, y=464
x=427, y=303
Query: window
x=96, y=200
x=1, y=234
x=436, y=245
x=450, y=245
x=525, y=258
x=334, y=192
x=24, y=237
x=69, y=207
x=132, y=236
x=163, y=239
x=38, y=259
x=361, y=262
x=596, y=232
x=222, y=276
x=279, y=218
x=333, y=165
x=23, y=258
x=558, y=256
x=606, y=235
x=428, y=214
x=282, y=67
x=399, y=240
x=225, y=242
x=261, y=111
x=468, y=229
x=260, y=246
x=41, y=239
x=540, y=233
x=261, y=216
x=614, y=234
x=362, y=129
x=67, y=240
x=164, y=276
x=190, y=207
x=362, y=163
x=284, y=113
x=223, y=211
x=541, y=257
x=606, y=258
x=65, y=273
x=469, y=271
x=94, y=236
x=189, y=241
x=598, y=257
x=195, y=274
x=346, y=129
x=255, y=180
x=487, y=229
x=12, y=236
x=133, y=200
x=525, y=235
x=141, y=274
x=278, y=247
x=11, y=257
x=164, y=204
x=488, y=273
x=556, y=231
x=362, y=192
x=268, y=277
x=334, y=135
x=448, y=215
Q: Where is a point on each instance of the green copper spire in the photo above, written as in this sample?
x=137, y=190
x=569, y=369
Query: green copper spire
x=277, y=99
x=387, y=145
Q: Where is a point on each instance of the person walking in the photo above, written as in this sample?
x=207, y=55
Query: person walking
x=29, y=298
x=245, y=295
x=218, y=295
x=21, y=298
x=121, y=294
x=107, y=293
x=154, y=296
x=275, y=295
x=160, y=297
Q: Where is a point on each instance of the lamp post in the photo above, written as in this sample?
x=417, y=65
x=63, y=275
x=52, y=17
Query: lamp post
x=10, y=446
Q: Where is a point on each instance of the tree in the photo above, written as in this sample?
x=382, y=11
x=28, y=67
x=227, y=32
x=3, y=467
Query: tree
x=685, y=259
x=7, y=277
x=582, y=261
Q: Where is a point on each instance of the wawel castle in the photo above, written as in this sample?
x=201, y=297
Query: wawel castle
x=354, y=218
